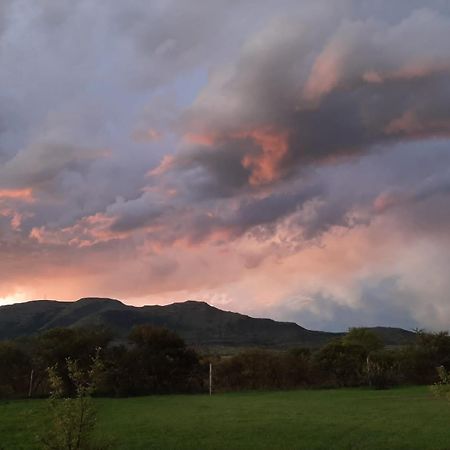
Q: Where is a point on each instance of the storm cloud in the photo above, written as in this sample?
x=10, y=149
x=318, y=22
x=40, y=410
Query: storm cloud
x=285, y=157
x=289, y=103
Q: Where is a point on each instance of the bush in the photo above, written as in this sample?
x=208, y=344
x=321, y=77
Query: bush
x=251, y=369
x=442, y=387
x=15, y=369
x=155, y=361
x=383, y=369
x=73, y=419
x=342, y=364
x=264, y=369
x=53, y=347
x=420, y=360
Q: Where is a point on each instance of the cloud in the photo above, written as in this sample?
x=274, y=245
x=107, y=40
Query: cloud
x=299, y=97
x=382, y=302
x=40, y=164
x=135, y=213
x=248, y=153
x=4, y=15
x=373, y=52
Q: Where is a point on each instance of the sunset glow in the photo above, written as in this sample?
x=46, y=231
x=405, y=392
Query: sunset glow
x=289, y=160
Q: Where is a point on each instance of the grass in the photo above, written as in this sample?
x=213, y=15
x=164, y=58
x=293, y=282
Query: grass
x=405, y=418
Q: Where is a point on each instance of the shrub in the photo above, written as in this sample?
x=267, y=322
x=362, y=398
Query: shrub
x=73, y=419
x=342, y=364
x=383, y=369
x=442, y=387
x=15, y=368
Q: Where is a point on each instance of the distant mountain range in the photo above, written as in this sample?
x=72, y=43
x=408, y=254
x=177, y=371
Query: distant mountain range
x=199, y=323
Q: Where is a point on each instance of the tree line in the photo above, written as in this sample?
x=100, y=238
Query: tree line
x=157, y=361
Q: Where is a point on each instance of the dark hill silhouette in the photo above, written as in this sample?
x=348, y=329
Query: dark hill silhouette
x=198, y=323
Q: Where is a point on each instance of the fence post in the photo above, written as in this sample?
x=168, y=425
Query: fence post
x=30, y=390
x=210, y=378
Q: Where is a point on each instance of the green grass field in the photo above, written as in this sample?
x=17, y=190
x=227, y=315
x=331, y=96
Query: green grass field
x=406, y=418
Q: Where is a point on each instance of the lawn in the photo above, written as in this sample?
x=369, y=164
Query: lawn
x=406, y=418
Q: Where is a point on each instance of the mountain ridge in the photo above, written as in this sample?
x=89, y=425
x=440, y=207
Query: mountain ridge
x=199, y=323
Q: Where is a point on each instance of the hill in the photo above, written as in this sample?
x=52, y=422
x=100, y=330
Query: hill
x=199, y=323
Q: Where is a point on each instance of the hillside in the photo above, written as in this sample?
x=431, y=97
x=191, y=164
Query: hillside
x=197, y=322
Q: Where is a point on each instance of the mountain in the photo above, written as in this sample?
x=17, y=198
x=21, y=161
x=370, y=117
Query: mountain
x=199, y=323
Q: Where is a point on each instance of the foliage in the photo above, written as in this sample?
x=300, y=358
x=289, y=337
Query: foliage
x=73, y=419
x=157, y=361
x=383, y=369
x=263, y=369
x=15, y=368
x=420, y=360
x=363, y=337
x=54, y=347
x=252, y=369
x=342, y=364
x=442, y=387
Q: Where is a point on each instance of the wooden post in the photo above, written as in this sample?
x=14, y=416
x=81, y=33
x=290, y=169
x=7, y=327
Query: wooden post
x=210, y=378
x=30, y=390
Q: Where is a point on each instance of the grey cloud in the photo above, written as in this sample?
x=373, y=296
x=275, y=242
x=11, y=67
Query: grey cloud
x=216, y=174
x=39, y=164
x=389, y=89
x=272, y=208
x=4, y=15
x=78, y=79
x=173, y=37
x=135, y=213
x=435, y=185
x=72, y=94
x=381, y=303
x=344, y=195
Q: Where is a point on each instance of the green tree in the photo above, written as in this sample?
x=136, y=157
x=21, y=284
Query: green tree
x=365, y=338
x=54, y=347
x=253, y=369
x=342, y=364
x=73, y=419
x=383, y=368
x=431, y=350
x=15, y=368
x=159, y=361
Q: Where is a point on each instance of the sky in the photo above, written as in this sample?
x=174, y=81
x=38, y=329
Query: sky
x=286, y=159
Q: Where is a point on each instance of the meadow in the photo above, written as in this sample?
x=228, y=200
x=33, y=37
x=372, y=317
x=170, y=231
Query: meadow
x=403, y=418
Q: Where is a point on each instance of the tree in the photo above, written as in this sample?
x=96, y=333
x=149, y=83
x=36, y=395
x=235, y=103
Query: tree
x=160, y=362
x=299, y=368
x=431, y=350
x=365, y=338
x=73, y=418
x=54, y=347
x=383, y=368
x=342, y=364
x=15, y=369
x=252, y=369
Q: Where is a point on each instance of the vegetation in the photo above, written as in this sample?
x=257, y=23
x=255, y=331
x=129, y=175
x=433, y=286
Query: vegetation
x=72, y=419
x=442, y=387
x=15, y=369
x=357, y=359
x=156, y=360
x=402, y=418
x=68, y=363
